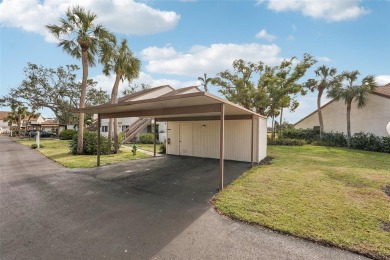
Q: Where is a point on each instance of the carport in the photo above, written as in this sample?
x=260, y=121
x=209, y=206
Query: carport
x=177, y=106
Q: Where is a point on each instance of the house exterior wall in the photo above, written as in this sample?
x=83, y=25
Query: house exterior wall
x=373, y=118
x=127, y=121
x=205, y=139
x=262, y=139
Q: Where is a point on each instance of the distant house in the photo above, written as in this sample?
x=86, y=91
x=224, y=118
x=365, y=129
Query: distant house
x=32, y=122
x=372, y=118
x=4, y=128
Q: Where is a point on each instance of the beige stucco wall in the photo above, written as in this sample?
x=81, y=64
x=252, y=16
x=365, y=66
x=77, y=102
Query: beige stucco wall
x=205, y=139
x=373, y=118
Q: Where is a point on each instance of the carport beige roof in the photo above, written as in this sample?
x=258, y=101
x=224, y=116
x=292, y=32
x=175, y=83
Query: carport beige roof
x=191, y=106
x=177, y=106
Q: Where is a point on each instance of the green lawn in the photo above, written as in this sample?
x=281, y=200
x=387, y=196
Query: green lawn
x=146, y=147
x=331, y=195
x=58, y=150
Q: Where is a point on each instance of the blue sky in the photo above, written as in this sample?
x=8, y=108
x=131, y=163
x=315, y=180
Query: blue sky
x=178, y=41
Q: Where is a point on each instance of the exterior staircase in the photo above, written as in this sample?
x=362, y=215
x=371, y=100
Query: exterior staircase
x=93, y=126
x=136, y=128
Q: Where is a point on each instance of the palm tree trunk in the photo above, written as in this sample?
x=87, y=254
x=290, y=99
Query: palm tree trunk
x=280, y=123
x=349, y=104
x=114, y=99
x=320, y=112
x=19, y=124
x=82, y=101
x=273, y=127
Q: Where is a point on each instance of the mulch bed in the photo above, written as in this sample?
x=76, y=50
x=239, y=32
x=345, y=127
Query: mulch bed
x=268, y=160
x=386, y=189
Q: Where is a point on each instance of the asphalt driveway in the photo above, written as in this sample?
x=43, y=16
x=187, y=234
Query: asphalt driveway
x=154, y=208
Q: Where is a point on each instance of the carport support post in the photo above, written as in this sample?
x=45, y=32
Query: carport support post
x=252, y=132
x=98, y=141
x=155, y=137
x=221, y=146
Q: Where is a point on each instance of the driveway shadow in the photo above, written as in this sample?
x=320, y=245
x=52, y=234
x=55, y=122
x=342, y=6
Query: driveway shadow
x=163, y=196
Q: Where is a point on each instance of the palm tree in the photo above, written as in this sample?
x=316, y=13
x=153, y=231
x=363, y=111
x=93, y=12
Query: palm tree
x=82, y=39
x=119, y=59
x=327, y=77
x=205, y=80
x=352, y=92
x=29, y=115
x=11, y=119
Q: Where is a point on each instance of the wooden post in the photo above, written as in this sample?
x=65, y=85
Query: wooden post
x=252, y=139
x=155, y=137
x=221, y=147
x=98, y=141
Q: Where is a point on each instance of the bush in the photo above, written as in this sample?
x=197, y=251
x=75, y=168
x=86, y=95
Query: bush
x=67, y=134
x=285, y=141
x=163, y=148
x=332, y=139
x=90, y=144
x=146, y=138
x=302, y=134
x=35, y=146
x=370, y=142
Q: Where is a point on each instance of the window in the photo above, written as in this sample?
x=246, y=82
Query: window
x=124, y=127
x=105, y=128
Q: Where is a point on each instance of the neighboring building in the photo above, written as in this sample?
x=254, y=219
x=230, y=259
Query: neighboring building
x=52, y=125
x=372, y=118
x=4, y=128
x=33, y=123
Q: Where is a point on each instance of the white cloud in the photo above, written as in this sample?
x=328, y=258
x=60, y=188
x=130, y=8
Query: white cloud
x=291, y=38
x=153, y=53
x=120, y=16
x=330, y=10
x=264, y=35
x=107, y=82
x=210, y=60
x=323, y=59
x=382, y=79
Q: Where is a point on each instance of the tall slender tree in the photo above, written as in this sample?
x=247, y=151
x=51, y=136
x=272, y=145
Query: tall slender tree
x=121, y=61
x=17, y=114
x=326, y=79
x=204, y=82
x=29, y=115
x=82, y=38
x=349, y=90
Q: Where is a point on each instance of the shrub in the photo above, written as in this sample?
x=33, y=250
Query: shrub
x=67, y=134
x=285, y=141
x=35, y=146
x=370, y=142
x=90, y=144
x=333, y=139
x=302, y=134
x=163, y=148
x=146, y=138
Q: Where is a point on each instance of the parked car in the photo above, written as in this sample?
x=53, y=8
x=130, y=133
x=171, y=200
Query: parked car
x=47, y=134
x=31, y=133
